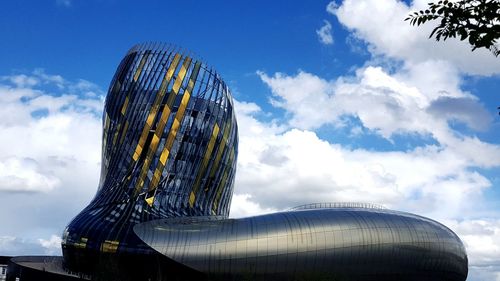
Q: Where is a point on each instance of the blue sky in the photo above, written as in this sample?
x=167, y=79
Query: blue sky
x=336, y=101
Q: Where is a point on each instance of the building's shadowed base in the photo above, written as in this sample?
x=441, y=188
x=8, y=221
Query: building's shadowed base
x=108, y=267
x=158, y=268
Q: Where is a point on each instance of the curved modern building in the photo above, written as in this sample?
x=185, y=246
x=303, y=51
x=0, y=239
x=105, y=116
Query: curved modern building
x=170, y=143
x=169, y=149
x=339, y=243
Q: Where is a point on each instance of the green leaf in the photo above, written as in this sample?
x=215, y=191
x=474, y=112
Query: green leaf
x=472, y=41
x=434, y=31
x=475, y=20
x=463, y=34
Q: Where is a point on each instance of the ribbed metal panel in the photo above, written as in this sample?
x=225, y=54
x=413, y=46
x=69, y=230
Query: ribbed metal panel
x=170, y=138
x=340, y=243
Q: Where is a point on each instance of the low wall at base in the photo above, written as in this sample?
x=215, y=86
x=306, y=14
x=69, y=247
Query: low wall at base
x=36, y=268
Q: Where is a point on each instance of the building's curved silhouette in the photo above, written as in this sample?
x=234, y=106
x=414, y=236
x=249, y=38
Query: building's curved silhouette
x=346, y=243
x=170, y=144
x=169, y=149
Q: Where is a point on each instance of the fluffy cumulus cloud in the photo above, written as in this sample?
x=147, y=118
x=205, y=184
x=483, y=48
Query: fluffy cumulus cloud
x=25, y=174
x=420, y=98
x=380, y=23
x=52, y=245
x=49, y=161
x=17, y=246
x=325, y=33
x=281, y=166
x=482, y=240
x=284, y=165
x=390, y=104
x=244, y=206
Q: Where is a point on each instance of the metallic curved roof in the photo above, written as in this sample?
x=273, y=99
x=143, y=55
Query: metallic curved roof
x=353, y=243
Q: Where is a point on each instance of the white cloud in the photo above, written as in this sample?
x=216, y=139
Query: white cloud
x=25, y=174
x=242, y=206
x=16, y=246
x=418, y=99
x=440, y=179
x=325, y=33
x=460, y=109
x=331, y=7
x=380, y=23
x=50, y=157
x=482, y=241
x=282, y=168
x=45, y=78
x=21, y=80
x=5, y=240
x=52, y=245
x=300, y=96
x=279, y=168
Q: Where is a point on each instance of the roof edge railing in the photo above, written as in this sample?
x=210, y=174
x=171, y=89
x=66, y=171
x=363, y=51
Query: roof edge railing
x=329, y=205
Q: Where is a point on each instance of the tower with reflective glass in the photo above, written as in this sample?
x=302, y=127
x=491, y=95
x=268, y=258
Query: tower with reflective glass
x=169, y=148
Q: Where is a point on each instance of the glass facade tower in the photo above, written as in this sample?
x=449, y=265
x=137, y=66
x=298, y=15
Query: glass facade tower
x=169, y=149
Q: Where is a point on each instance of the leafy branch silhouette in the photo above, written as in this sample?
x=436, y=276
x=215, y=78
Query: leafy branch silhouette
x=475, y=20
